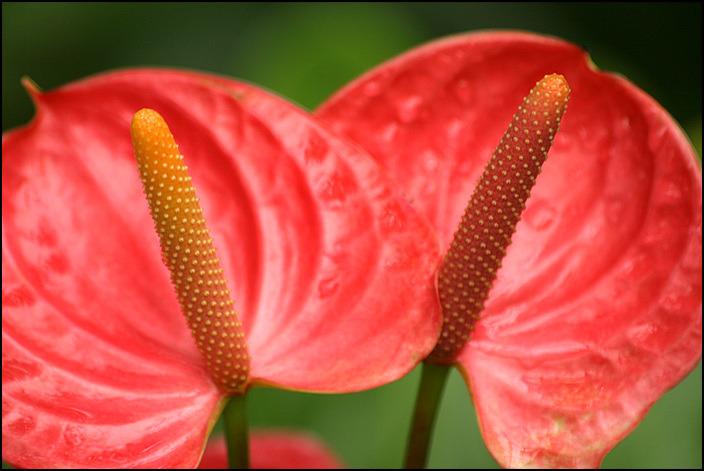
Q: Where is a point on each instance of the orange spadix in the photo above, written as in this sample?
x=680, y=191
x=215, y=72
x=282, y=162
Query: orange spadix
x=188, y=252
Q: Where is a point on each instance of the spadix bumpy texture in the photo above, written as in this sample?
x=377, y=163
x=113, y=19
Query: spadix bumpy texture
x=188, y=252
x=468, y=271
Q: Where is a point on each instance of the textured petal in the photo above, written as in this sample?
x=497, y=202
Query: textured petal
x=365, y=301
x=75, y=394
x=597, y=309
x=99, y=368
x=275, y=449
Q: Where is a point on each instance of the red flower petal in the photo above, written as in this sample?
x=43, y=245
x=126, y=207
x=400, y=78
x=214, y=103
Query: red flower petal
x=275, y=449
x=597, y=309
x=99, y=368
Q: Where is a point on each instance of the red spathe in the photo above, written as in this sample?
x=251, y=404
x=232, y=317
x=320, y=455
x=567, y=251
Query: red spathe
x=321, y=250
x=596, y=310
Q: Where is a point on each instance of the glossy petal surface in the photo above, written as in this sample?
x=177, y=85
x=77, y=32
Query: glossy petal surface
x=275, y=449
x=597, y=309
x=99, y=368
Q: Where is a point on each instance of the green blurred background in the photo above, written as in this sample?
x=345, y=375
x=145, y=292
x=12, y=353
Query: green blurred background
x=305, y=51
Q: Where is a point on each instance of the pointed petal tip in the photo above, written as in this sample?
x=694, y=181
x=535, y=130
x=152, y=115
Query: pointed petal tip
x=31, y=86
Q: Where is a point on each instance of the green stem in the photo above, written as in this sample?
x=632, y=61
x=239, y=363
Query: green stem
x=432, y=383
x=237, y=432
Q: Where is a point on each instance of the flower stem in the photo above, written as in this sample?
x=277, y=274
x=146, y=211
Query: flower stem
x=432, y=383
x=237, y=432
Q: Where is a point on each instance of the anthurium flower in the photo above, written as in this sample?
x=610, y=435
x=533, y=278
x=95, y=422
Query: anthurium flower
x=596, y=309
x=321, y=250
x=275, y=449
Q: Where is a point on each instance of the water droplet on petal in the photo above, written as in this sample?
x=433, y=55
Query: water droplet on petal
x=463, y=91
x=316, y=148
x=658, y=231
x=372, y=87
x=407, y=108
x=648, y=336
x=19, y=296
x=21, y=426
x=391, y=219
x=388, y=133
x=677, y=302
x=73, y=435
x=16, y=370
x=328, y=287
x=668, y=191
x=430, y=160
x=460, y=54
x=539, y=214
x=56, y=263
x=428, y=168
x=332, y=190
x=47, y=237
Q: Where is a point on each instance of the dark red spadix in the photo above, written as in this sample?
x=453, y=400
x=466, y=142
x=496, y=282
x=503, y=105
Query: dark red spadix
x=469, y=269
